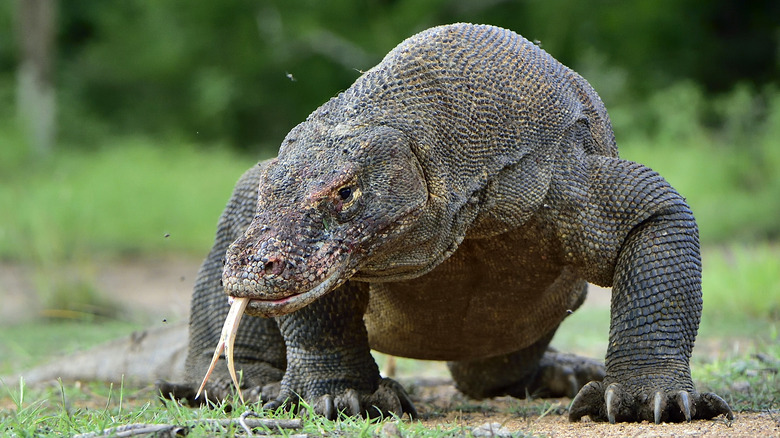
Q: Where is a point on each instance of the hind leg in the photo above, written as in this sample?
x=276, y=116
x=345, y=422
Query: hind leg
x=537, y=370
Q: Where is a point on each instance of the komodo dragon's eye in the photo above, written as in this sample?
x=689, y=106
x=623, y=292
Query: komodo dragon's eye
x=345, y=193
x=345, y=199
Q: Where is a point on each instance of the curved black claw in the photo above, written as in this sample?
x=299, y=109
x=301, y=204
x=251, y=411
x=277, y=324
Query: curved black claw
x=588, y=402
x=389, y=398
x=615, y=404
x=711, y=405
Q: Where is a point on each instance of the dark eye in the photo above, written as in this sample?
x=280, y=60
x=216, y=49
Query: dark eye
x=345, y=193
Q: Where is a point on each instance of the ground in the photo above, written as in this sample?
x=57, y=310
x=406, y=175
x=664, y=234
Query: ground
x=159, y=290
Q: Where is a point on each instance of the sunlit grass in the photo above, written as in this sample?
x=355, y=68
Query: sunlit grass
x=135, y=197
x=741, y=283
x=749, y=381
x=34, y=342
x=69, y=409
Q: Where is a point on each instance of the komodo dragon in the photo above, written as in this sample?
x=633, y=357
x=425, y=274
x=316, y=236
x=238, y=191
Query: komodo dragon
x=451, y=205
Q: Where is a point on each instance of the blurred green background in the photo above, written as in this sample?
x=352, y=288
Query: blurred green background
x=123, y=125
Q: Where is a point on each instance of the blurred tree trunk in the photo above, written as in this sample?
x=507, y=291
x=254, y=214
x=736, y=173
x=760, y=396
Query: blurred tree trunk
x=36, y=99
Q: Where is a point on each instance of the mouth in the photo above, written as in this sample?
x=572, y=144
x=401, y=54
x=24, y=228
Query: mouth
x=264, y=308
x=278, y=307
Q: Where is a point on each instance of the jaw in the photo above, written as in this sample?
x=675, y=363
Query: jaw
x=277, y=307
x=279, y=277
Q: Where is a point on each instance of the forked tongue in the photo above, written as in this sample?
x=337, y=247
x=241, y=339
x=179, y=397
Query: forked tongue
x=226, y=341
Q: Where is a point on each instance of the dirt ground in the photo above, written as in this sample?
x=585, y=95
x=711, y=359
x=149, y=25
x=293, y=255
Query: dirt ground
x=161, y=288
x=152, y=288
x=745, y=425
x=442, y=404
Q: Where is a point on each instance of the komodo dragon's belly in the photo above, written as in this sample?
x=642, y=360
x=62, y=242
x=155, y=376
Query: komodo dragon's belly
x=493, y=296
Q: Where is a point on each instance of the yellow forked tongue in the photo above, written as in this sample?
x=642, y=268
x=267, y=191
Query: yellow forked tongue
x=226, y=341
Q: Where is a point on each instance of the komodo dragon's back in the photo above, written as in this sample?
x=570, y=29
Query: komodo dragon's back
x=491, y=85
x=452, y=204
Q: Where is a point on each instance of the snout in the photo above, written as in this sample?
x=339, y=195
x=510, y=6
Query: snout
x=277, y=278
x=260, y=270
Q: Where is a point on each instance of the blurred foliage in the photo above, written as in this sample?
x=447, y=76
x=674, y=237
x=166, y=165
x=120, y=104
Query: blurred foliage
x=125, y=199
x=245, y=71
x=722, y=153
x=691, y=86
x=136, y=198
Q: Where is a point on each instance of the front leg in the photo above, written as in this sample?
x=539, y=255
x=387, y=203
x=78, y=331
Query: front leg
x=655, y=272
x=656, y=306
x=329, y=364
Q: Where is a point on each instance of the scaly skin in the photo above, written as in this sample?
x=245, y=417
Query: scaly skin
x=451, y=205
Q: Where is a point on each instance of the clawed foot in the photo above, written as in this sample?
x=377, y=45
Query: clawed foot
x=615, y=404
x=390, y=398
x=562, y=374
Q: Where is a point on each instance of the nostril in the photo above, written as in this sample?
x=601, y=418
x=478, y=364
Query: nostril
x=274, y=266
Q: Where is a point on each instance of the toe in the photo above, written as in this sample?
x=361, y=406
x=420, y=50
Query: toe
x=659, y=407
x=406, y=402
x=588, y=401
x=711, y=405
x=283, y=400
x=389, y=398
x=176, y=391
x=684, y=403
x=611, y=399
x=348, y=403
x=619, y=404
x=325, y=406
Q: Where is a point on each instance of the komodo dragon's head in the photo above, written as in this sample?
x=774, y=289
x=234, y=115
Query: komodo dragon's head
x=336, y=198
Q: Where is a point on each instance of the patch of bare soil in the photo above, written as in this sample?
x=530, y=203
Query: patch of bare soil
x=153, y=288
x=744, y=425
x=440, y=404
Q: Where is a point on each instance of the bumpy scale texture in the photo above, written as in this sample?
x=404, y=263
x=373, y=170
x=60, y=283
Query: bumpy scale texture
x=452, y=204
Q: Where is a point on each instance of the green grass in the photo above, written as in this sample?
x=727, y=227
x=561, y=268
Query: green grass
x=33, y=342
x=722, y=154
x=136, y=198
x=133, y=198
x=741, y=288
x=90, y=407
x=748, y=382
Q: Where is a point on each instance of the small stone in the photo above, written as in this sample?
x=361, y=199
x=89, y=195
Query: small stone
x=390, y=430
x=491, y=430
